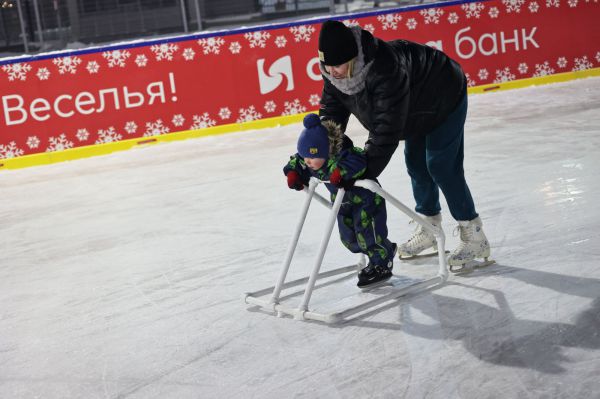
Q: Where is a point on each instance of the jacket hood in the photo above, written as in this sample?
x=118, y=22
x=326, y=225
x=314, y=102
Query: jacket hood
x=336, y=137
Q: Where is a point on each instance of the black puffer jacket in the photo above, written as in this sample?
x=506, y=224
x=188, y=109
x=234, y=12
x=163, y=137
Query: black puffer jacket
x=409, y=90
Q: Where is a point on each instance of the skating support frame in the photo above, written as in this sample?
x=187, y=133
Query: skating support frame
x=302, y=312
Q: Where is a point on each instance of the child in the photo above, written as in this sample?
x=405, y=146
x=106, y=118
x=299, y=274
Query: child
x=326, y=153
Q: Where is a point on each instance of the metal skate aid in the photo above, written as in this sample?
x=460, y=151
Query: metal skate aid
x=302, y=312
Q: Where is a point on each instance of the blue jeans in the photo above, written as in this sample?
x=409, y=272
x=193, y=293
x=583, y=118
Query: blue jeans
x=436, y=161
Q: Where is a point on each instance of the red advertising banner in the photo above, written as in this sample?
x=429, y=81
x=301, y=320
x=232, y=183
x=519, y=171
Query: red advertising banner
x=67, y=100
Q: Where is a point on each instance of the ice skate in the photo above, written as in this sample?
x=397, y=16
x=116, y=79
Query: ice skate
x=420, y=241
x=473, y=246
x=373, y=276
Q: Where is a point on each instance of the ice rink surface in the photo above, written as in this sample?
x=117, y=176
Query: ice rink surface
x=122, y=276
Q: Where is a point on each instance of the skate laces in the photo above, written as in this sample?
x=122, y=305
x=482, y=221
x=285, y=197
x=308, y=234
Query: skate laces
x=462, y=245
x=465, y=232
x=419, y=235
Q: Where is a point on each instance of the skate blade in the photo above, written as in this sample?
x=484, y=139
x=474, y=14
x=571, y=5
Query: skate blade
x=470, y=266
x=419, y=256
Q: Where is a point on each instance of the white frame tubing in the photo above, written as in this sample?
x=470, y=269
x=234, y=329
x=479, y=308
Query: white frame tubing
x=312, y=186
x=438, y=232
x=302, y=312
x=324, y=242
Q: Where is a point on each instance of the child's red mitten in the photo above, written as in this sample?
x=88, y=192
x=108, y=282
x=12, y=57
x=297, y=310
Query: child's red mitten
x=294, y=181
x=337, y=180
x=336, y=177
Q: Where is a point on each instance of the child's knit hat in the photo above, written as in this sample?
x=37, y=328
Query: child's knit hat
x=314, y=139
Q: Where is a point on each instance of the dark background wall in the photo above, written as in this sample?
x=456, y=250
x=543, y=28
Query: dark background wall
x=31, y=26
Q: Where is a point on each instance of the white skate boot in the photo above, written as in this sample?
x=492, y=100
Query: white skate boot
x=473, y=245
x=420, y=240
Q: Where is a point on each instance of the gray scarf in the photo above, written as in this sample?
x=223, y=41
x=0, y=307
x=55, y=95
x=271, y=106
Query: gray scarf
x=356, y=82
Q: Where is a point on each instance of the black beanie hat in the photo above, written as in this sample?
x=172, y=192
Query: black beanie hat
x=336, y=44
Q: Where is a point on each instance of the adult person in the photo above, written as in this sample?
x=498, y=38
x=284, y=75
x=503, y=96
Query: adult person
x=401, y=90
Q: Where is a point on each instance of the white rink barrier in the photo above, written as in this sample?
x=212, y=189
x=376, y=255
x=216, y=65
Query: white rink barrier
x=302, y=312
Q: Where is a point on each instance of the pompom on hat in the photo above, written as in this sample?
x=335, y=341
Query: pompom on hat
x=314, y=139
x=336, y=43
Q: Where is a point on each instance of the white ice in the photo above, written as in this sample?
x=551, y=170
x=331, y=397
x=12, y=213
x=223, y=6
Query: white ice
x=122, y=276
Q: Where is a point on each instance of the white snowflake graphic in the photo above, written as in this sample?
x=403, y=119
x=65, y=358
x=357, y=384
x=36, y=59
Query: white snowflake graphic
x=473, y=9
x=523, y=68
x=17, y=71
x=533, y=7
x=43, y=73
x=189, y=54
x=270, y=106
x=389, y=21
x=572, y=3
x=212, y=45
x=10, y=151
x=131, y=127
x=293, y=108
x=598, y=56
x=258, y=38
x=314, y=100
x=543, y=69
x=224, y=113
x=202, y=121
x=470, y=82
x=33, y=142
x=504, y=75
x=247, y=115
x=432, y=15
x=116, y=57
x=552, y=3
x=108, y=136
x=453, y=17
x=155, y=128
x=562, y=62
x=370, y=28
x=92, y=67
x=178, y=120
x=67, y=64
x=82, y=134
x=164, y=51
x=302, y=33
x=411, y=24
x=235, y=47
x=483, y=74
x=59, y=143
x=513, y=5
x=280, y=41
x=141, y=60
x=582, y=64
x=494, y=12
